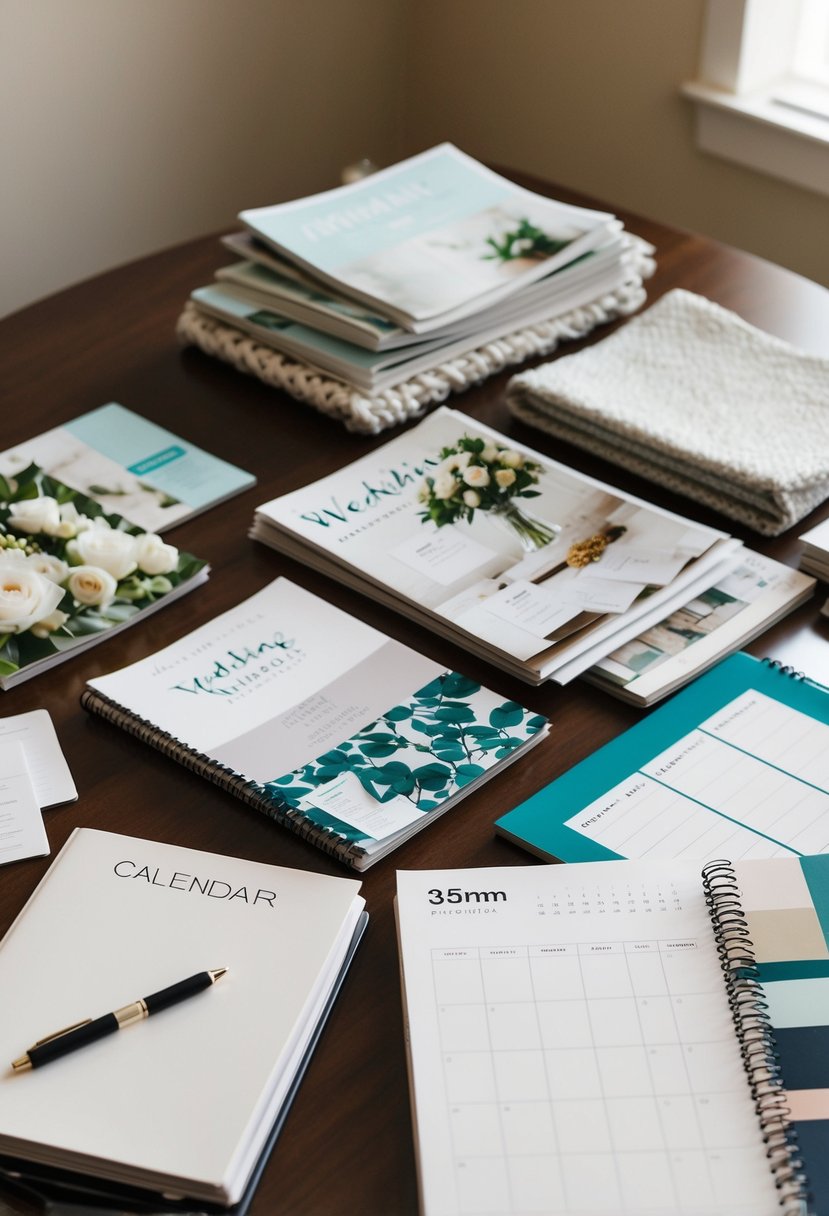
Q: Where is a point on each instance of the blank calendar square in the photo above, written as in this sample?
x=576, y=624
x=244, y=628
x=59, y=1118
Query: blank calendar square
x=458, y=981
x=591, y=1174
x=527, y=1127
x=615, y=1022
x=680, y=1122
x=647, y=1183
x=556, y=979
x=463, y=1028
x=573, y=1074
x=625, y=1071
x=476, y=1129
x=606, y=975
x=483, y=1186
x=512, y=1025
x=656, y=1017
x=669, y=1073
x=507, y=979
x=469, y=1076
x=519, y=1075
x=634, y=1124
x=581, y=1127
x=535, y=1185
x=647, y=975
x=564, y=1024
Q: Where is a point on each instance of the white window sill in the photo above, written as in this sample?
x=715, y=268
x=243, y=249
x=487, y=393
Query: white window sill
x=763, y=134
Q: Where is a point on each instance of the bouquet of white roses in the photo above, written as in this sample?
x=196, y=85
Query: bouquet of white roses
x=68, y=570
x=476, y=475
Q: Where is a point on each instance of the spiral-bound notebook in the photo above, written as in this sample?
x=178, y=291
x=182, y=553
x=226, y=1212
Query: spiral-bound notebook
x=345, y=736
x=737, y=764
x=620, y=1038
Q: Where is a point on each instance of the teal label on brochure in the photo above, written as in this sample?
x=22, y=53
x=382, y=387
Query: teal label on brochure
x=150, y=463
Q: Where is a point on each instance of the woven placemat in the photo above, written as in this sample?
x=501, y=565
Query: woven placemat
x=370, y=414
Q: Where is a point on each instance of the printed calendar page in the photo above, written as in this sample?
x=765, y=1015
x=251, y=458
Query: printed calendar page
x=571, y=1046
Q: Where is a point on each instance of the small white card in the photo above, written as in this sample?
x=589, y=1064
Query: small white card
x=22, y=833
x=346, y=798
x=45, y=761
x=633, y=564
x=533, y=608
x=443, y=554
x=597, y=594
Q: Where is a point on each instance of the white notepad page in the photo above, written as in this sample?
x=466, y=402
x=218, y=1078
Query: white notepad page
x=571, y=1046
x=46, y=762
x=22, y=833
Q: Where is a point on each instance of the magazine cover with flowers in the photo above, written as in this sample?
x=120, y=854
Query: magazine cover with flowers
x=70, y=573
x=532, y=564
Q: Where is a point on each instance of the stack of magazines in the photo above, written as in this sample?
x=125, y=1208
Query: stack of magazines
x=387, y=278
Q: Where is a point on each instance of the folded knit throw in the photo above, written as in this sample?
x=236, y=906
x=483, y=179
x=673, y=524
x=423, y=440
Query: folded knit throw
x=692, y=397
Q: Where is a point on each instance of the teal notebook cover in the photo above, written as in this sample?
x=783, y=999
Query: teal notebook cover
x=540, y=824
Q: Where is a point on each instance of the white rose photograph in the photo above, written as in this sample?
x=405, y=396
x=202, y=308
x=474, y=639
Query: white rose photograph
x=69, y=571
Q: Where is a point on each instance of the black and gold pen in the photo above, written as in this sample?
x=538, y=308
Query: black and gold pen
x=61, y=1042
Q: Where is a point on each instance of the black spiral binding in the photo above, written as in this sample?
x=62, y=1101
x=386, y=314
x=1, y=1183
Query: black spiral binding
x=749, y=1012
x=785, y=669
x=234, y=783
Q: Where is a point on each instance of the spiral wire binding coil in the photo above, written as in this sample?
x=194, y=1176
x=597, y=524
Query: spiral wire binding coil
x=785, y=669
x=749, y=1011
x=255, y=795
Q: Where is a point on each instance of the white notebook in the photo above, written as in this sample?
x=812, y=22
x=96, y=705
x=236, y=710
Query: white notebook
x=182, y=1102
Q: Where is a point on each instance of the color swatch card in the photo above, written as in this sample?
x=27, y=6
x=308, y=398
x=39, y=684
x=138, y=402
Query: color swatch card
x=736, y=765
x=576, y=1041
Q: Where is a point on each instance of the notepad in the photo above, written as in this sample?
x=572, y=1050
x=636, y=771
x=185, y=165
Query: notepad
x=736, y=765
x=575, y=1037
x=45, y=760
x=185, y=1102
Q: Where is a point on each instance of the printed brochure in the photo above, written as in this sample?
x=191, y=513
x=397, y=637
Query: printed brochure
x=538, y=568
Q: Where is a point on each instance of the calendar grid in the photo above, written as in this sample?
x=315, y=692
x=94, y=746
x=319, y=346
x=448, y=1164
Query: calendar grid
x=571, y=1063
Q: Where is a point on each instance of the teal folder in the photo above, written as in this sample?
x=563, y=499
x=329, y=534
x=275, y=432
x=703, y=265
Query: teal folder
x=540, y=824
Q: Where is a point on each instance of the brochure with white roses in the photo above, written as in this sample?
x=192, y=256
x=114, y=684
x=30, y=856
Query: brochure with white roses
x=130, y=465
x=534, y=566
x=347, y=737
x=70, y=574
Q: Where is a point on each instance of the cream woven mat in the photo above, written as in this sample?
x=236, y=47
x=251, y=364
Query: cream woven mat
x=371, y=414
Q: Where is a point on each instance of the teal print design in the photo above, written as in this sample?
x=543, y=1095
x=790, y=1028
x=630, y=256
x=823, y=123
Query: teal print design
x=460, y=731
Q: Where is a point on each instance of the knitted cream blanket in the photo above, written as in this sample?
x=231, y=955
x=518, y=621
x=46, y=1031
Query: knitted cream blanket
x=692, y=397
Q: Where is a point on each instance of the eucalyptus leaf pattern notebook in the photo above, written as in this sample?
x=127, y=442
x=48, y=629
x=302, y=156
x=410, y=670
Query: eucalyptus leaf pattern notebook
x=347, y=737
x=629, y=1038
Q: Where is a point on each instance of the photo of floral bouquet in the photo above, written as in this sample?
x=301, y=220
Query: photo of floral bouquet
x=474, y=475
x=69, y=572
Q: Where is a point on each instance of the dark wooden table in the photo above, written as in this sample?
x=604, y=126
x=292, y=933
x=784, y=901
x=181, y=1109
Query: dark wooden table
x=347, y=1146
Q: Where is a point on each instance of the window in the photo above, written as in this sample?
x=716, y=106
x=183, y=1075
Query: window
x=762, y=97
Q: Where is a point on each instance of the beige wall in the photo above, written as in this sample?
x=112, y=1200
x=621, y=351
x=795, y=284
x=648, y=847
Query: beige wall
x=129, y=125
x=585, y=92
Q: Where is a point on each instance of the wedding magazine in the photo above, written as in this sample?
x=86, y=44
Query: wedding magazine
x=431, y=239
x=348, y=738
x=537, y=568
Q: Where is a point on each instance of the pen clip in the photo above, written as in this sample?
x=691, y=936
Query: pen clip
x=56, y=1034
